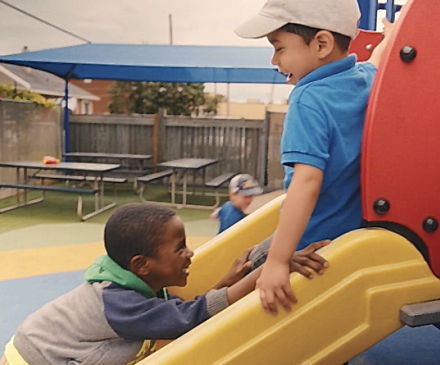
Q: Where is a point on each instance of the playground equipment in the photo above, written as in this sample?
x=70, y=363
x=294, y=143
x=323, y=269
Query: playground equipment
x=380, y=277
x=400, y=171
x=369, y=10
x=356, y=304
x=399, y=168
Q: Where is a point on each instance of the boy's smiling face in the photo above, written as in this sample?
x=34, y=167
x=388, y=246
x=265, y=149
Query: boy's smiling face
x=170, y=266
x=293, y=56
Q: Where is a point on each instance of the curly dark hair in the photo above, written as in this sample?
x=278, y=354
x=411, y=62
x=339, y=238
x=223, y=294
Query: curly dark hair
x=308, y=33
x=135, y=229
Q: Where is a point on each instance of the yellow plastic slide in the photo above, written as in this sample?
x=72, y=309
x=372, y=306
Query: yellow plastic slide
x=372, y=274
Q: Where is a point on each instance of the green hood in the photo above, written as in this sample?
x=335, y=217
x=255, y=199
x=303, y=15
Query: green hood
x=105, y=269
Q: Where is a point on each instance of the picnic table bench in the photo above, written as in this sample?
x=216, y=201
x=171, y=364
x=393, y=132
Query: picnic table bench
x=44, y=189
x=140, y=160
x=154, y=177
x=217, y=182
x=79, y=178
x=92, y=173
x=186, y=165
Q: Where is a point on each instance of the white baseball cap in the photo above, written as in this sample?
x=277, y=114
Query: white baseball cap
x=244, y=184
x=339, y=16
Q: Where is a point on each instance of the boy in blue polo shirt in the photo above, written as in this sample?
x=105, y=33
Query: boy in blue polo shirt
x=321, y=142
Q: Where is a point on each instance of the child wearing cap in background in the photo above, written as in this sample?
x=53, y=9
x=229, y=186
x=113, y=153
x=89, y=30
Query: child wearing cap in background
x=242, y=190
x=321, y=142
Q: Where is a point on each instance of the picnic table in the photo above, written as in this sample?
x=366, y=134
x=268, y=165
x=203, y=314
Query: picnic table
x=140, y=160
x=186, y=166
x=94, y=170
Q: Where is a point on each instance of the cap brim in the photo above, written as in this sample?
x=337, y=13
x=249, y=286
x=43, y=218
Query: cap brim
x=258, y=27
x=251, y=191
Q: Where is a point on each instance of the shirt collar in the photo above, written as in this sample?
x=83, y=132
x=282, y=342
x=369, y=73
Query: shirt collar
x=327, y=70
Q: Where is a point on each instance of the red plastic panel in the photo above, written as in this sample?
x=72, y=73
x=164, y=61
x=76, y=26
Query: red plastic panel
x=401, y=147
x=364, y=43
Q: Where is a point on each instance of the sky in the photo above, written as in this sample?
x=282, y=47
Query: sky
x=194, y=22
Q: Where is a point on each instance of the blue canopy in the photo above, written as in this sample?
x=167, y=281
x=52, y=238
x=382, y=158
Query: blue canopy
x=164, y=63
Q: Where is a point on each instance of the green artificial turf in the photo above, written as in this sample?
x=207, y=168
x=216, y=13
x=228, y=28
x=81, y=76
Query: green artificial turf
x=61, y=207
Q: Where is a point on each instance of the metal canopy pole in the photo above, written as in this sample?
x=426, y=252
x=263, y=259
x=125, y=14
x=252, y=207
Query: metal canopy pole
x=227, y=96
x=66, y=118
x=66, y=111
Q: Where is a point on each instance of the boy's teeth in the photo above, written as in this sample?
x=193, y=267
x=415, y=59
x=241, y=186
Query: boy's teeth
x=186, y=271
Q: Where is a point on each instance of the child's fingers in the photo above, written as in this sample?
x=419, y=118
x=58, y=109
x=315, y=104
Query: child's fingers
x=317, y=245
x=304, y=262
x=246, y=267
x=387, y=27
x=246, y=253
x=270, y=303
x=312, y=248
x=319, y=259
x=265, y=299
x=385, y=21
x=289, y=293
x=308, y=257
x=295, y=267
x=316, y=262
x=244, y=256
x=283, y=299
x=249, y=250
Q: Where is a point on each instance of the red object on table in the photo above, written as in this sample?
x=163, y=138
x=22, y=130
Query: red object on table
x=48, y=160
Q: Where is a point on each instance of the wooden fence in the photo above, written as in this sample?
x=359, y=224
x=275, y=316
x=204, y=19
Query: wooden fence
x=274, y=169
x=27, y=132
x=239, y=145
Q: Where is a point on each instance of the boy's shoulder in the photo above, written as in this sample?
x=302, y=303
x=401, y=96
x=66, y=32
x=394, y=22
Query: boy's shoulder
x=227, y=208
x=346, y=75
x=366, y=69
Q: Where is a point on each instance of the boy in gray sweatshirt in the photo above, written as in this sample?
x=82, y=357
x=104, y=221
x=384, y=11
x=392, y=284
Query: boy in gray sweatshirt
x=123, y=308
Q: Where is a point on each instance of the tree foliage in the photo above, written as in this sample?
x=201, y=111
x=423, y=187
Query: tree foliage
x=211, y=103
x=7, y=91
x=149, y=97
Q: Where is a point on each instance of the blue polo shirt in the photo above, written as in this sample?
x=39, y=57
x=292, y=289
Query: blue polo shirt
x=228, y=215
x=323, y=128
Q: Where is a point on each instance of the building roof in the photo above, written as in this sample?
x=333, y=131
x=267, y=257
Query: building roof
x=44, y=83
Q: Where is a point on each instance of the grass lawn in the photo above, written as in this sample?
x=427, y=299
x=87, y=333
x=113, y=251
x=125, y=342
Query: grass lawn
x=61, y=208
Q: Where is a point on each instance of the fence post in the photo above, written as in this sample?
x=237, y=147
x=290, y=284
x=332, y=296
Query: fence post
x=156, y=140
x=159, y=138
x=264, y=149
x=162, y=154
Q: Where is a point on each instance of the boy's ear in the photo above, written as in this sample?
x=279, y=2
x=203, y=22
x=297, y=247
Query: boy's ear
x=325, y=42
x=140, y=265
